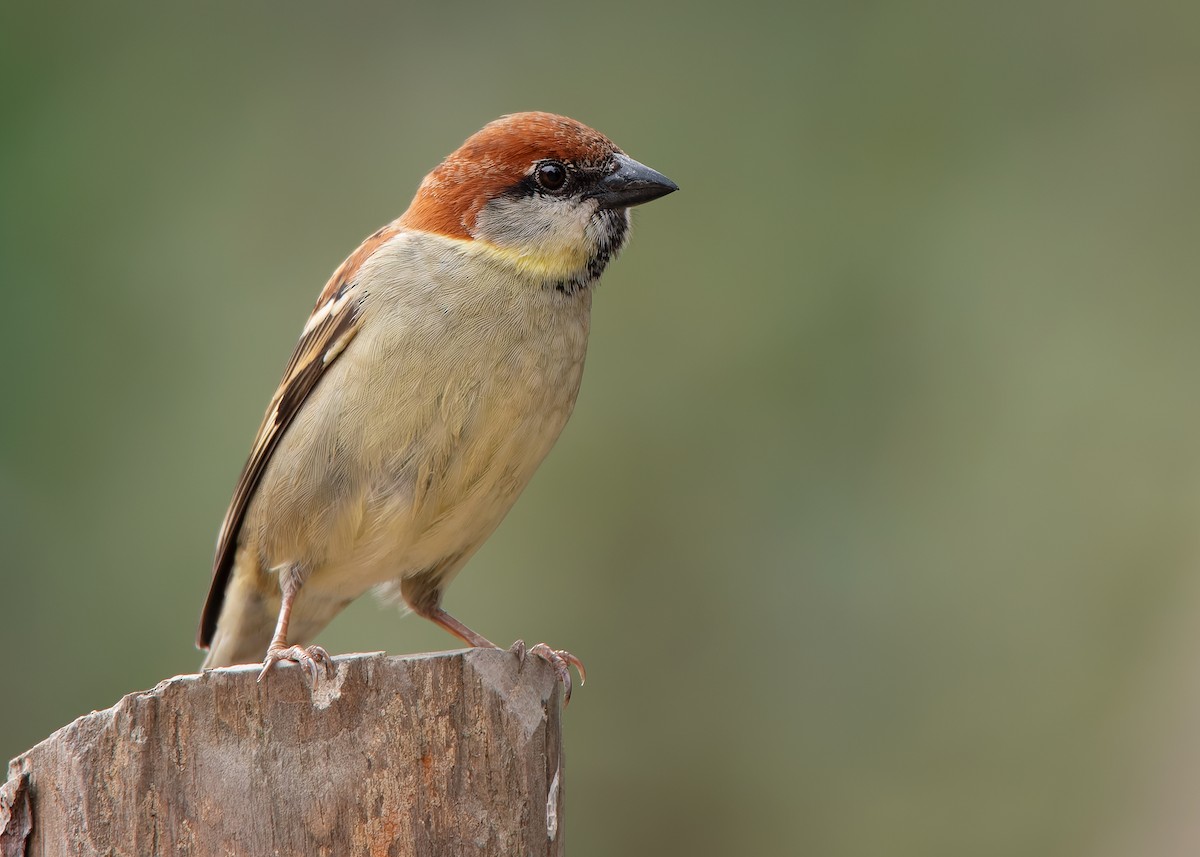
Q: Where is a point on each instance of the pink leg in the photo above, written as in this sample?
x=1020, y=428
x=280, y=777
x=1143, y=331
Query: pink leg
x=279, y=650
x=560, y=659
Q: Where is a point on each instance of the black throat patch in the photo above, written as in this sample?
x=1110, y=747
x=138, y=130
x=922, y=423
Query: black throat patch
x=613, y=229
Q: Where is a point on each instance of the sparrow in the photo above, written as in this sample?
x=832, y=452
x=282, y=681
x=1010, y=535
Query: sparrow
x=439, y=366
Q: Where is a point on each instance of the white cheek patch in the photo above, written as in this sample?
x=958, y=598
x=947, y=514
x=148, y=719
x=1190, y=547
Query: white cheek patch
x=536, y=223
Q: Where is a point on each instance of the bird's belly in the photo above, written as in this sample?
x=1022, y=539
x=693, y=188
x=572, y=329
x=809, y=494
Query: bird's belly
x=439, y=501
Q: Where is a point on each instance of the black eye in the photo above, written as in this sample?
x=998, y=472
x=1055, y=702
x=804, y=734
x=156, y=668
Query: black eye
x=550, y=175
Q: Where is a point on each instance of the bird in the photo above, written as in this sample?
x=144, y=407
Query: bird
x=439, y=365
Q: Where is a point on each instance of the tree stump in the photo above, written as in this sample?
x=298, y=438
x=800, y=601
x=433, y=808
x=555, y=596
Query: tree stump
x=448, y=754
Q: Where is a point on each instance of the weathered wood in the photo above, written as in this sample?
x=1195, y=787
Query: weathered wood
x=457, y=753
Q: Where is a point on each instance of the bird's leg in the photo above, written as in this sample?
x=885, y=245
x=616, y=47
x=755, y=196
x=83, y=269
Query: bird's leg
x=290, y=579
x=560, y=659
x=443, y=619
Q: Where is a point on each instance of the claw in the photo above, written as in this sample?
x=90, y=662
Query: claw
x=562, y=661
x=575, y=662
x=308, y=659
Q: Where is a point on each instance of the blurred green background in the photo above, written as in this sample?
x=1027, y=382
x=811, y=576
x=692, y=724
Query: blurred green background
x=878, y=521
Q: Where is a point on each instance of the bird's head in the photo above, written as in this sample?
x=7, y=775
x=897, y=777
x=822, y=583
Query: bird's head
x=545, y=192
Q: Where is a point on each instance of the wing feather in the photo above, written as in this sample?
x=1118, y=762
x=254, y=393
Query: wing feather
x=333, y=323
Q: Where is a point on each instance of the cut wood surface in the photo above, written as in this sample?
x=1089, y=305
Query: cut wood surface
x=449, y=754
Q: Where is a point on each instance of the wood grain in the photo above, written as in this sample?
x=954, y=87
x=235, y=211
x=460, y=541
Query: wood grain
x=457, y=753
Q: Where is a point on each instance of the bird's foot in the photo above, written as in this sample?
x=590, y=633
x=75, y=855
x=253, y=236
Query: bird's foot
x=560, y=659
x=309, y=658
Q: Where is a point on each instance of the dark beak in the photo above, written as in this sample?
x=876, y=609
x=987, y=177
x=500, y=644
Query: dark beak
x=631, y=184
